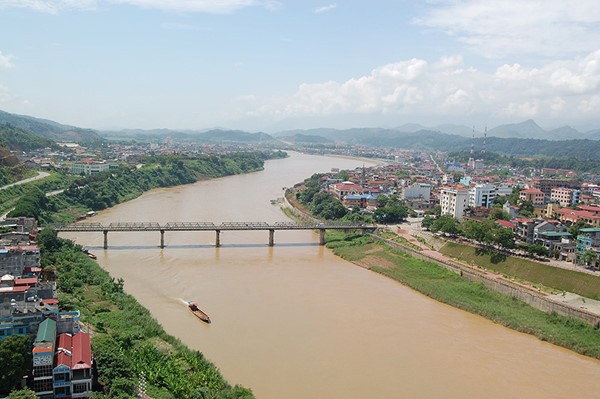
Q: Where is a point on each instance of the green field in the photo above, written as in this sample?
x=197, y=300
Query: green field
x=448, y=287
x=522, y=269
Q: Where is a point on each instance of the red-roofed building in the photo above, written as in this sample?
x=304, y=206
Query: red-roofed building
x=72, y=372
x=506, y=224
x=340, y=190
x=571, y=216
x=591, y=208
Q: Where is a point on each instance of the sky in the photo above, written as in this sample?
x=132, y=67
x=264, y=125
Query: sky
x=274, y=65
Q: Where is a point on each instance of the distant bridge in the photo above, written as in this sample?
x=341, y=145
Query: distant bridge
x=208, y=226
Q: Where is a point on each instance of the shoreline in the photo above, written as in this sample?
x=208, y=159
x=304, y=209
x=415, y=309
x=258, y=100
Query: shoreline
x=382, y=265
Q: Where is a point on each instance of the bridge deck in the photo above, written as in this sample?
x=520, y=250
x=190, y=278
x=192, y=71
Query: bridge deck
x=207, y=226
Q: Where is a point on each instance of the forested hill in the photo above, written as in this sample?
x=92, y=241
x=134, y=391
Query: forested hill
x=11, y=169
x=17, y=139
x=49, y=129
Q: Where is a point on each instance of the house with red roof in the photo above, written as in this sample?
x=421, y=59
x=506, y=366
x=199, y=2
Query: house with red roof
x=72, y=373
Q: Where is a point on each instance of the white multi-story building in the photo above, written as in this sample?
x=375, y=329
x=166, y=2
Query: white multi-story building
x=88, y=168
x=417, y=191
x=454, y=201
x=482, y=195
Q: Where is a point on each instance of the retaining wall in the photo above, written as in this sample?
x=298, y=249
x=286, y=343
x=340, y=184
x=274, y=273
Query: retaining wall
x=530, y=297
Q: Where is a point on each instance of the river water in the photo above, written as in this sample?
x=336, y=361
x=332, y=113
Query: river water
x=294, y=321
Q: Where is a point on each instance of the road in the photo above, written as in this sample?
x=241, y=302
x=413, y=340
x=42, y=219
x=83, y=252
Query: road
x=40, y=175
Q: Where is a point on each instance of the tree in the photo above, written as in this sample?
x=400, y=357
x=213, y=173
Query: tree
x=16, y=361
x=427, y=222
x=445, y=224
x=23, y=394
x=497, y=213
x=588, y=256
x=526, y=208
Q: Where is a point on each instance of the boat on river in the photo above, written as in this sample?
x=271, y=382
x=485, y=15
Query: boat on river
x=193, y=307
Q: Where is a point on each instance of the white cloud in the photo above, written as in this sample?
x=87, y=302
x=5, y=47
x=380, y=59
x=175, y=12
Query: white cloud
x=49, y=6
x=208, y=6
x=446, y=88
x=322, y=9
x=549, y=28
x=6, y=61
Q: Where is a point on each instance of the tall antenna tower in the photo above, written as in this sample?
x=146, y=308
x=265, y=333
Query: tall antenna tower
x=484, y=140
x=471, y=158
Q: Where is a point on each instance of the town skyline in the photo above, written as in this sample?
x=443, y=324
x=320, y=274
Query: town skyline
x=272, y=66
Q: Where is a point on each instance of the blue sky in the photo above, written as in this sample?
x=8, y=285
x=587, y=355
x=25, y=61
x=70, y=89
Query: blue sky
x=273, y=65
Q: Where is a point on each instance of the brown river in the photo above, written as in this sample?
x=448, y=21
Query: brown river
x=294, y=321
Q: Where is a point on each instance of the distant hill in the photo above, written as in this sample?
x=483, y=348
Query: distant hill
x=189, y=136
x=306, y=139
x=526, y=129
x=17, y=139
x=50, y=129
x=236, y=136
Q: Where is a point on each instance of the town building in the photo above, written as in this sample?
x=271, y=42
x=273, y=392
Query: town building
x=72, y=372
x=417, y=191
x=43, y=359
x=89, y=167
x=534, y=195
x=565, y=196
x=482, y=195
x=454, y=201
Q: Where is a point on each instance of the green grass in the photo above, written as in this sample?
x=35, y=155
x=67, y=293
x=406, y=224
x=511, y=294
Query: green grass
x=522, y=269
x=448, y=287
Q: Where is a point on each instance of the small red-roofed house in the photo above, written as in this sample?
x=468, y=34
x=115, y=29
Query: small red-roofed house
x=72, y=373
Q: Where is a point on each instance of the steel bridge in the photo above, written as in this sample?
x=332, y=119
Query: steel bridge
x=209, y=226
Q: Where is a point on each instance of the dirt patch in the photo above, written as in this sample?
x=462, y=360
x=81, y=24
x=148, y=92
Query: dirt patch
x=370, y=261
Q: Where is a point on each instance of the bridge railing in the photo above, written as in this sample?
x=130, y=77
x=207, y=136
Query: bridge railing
x=190, y=226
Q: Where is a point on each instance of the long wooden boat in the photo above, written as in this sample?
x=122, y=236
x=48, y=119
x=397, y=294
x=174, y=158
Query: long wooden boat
x=193, y=307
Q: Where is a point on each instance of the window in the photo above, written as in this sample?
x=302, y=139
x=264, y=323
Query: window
x=42, y=371
x=80, y=388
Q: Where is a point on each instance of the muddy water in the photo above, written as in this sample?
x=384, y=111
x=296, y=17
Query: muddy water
x=294, y=321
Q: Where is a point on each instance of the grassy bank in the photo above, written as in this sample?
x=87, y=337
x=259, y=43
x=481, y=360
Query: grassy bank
x=127, y=341
x=522, y=269
x=445, y=286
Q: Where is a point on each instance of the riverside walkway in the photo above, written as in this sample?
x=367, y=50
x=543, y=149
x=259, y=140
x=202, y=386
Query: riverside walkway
x=209, y=226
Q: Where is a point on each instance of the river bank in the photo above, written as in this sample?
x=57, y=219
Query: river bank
x=446, y=286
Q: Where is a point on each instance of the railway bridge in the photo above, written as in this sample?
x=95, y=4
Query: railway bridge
x=209, y=226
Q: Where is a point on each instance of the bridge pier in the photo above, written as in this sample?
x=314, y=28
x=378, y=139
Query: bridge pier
x=218, y=238
x=271, y=237
x=321, y=236
x=105, y=232
x=162, y=238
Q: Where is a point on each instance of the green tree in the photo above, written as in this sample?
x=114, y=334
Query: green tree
x=23, y=394
x=427, y=222
x=15, y=358
x=526, y=208
x=446, y=224
x=588, y=256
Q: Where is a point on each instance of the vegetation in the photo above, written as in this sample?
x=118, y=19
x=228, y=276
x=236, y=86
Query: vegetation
x=321, y=204
x=15, y=358
x=84, y=193
x=18, y=139
x=448, y=287
x=554, y=277
x=127, y=341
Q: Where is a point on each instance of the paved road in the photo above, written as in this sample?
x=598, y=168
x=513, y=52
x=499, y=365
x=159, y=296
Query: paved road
x=40, y=175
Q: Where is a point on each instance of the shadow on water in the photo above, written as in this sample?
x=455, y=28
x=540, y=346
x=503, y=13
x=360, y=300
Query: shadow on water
x=142, y=247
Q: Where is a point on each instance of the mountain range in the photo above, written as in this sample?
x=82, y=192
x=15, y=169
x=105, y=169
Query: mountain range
x=504, y=138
